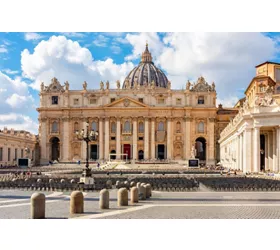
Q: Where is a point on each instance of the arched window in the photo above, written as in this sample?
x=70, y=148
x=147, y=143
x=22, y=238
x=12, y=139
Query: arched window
x=178, y=127
x=76, y=126
x=141, y=127
x=127, y=126
x=94, y=126
x=54, y=127
x=113, y=127
x=161, y=126
x=201, y=127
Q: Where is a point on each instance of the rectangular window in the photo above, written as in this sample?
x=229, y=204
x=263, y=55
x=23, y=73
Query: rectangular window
x=113, y=138
x=21, y=153
x=76, y=101
x=141, y=100
x=1, y=154
x=54, y=100
x=200, y=100
x=113, y=99
x=9, y=154
x=141, y=138
x=277, y=73
x=178, y=101
x=16, y=153
x=161, y=101
x=33, y=155
x=92, y=101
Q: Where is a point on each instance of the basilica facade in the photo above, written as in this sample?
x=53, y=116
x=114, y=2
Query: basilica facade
x=143, y=118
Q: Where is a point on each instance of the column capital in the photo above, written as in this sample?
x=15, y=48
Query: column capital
x=153, y=119
x=211, y=119
x=135, y=119
x=147, y=118
x=65, y=119
x=107, y=119
x=188, y=118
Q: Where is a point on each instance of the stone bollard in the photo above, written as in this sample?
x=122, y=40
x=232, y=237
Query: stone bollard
x=138, y=184
x=122, y=197
x=132, y=184
x=76, y=203
x=148, y=190
x=134, y=194
x=38, y=206
x=104, y=199
x=142, y=192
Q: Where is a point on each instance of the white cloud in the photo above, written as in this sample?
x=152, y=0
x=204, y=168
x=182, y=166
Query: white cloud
x=138, y=41
x=18, y=122
x=101, y=41
x=30, y=36
x=73, y=34
x=228, y=59
x=67, y=61
x=19, y=101
x=116, y=49
x=10, y=72
x=3, y=49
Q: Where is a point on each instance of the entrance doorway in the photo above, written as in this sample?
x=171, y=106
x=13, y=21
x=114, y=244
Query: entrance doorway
x=54, y=149
x=262, y=153
x=93, y=152
x=113, y=157
x=161, y=151
x=127, y=150
x=200, y=146
x=140, y=154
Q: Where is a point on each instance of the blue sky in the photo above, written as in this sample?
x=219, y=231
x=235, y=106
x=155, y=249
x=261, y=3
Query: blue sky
x=27, y=59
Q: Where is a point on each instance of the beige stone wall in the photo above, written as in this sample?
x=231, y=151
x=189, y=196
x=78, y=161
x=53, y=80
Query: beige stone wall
x=16, y=140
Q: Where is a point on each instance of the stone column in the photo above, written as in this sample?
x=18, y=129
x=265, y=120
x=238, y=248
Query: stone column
x=277, y=149
x=43, y=143
x=107, y=139
x=146, y=139
x=247, y=152
x=169, y=138
x=153, y=156
x=211, y=142
x=101, y=140
x=270, y=151
x=188, y=137
x=84, y=146
x=274, y=156
x=256, y=147
x=135, y=135
x=66, y=136
x=118, y=138
x=240, y=156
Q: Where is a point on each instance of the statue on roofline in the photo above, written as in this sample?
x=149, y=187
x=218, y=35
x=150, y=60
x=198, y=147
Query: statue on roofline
x=66, y=85
x=101, y=85
x=42, y=86
x=118, y=84
x=85, y=85
x=107, y=85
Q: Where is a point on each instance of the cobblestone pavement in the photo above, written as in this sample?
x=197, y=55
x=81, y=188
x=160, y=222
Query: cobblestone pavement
x=163, y=205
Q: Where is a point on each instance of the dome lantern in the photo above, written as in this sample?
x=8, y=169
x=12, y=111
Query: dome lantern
x=145, y=73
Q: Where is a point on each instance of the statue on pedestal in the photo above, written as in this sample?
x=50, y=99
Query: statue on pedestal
x=193, y=152
x=107, y=85
x=118, y=84
x=188, y=85
x=66, y=85
x=101, y=85
x=85, y=85
x=42, y=86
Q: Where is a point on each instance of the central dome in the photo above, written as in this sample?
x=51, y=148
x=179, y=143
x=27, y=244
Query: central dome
x=145, y=73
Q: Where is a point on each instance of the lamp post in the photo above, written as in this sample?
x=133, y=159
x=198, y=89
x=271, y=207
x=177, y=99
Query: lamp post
x=87, y=136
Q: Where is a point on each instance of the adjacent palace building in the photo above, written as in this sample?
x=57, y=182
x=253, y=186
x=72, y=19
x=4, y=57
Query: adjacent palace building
x=251, y=141
x=144, y=119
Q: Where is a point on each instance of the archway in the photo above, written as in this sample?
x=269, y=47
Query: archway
x=200, y=146
x=54, y=148
x=113, y=157
x=140, y=154
x=161, y=151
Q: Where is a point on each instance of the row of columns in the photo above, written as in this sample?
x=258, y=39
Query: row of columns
x=248, y=147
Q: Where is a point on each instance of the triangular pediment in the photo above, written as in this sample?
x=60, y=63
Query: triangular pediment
x=126, y=102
